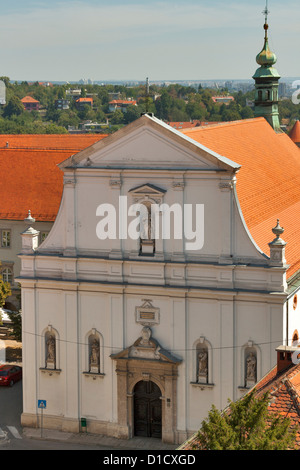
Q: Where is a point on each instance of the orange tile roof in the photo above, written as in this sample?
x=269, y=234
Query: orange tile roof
x=268, y=183
x=29, y=99
x=85, y=100
x=31, y=179
x=295, y=132
x=133, y=102
x=188, y=125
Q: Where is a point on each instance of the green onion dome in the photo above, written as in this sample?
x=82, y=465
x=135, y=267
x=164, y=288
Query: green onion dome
x=266, y=57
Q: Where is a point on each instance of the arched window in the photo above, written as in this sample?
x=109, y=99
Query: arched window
x=260, y=95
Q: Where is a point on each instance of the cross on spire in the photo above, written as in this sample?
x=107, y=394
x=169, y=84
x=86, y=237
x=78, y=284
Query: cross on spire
x=266, y=12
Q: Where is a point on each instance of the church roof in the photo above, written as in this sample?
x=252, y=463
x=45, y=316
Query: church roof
x=31, y=179
x=295, y=132
x=268, y=183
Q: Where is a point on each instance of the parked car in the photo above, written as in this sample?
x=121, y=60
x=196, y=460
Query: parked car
x=9, y=374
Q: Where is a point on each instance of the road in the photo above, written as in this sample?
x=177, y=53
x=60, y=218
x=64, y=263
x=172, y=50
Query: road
x=10, y=424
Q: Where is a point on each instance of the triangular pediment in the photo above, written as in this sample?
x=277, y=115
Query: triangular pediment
x=147, y=189
x=148, y=143
x=147, y=348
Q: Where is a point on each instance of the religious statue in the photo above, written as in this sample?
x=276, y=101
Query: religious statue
x=251, y=368
x=202, y=365
x=50, y=356
x=145, y=224
x=95, y=356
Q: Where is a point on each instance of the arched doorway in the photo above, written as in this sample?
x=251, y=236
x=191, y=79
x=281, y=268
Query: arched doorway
x=147, y=410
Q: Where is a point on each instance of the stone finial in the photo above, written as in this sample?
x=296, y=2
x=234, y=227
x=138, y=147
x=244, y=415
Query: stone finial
x=278, y=231
x=277, y=247
x=29, y=219
x=30, y=236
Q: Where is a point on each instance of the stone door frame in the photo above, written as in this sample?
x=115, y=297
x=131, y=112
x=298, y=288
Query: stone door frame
x=164, y=374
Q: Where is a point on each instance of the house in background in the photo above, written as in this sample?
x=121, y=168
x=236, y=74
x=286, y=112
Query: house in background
x=62, y=104
x=222, y=99
x=82, y=102
x=122, y=105
x=30, y=104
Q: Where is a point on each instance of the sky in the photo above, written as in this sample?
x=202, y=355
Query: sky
x=67, y=40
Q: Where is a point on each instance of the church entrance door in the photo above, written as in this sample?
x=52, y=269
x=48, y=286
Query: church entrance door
x=147, y=410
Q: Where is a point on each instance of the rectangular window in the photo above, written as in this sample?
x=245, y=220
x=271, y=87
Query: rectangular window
x=5, y=238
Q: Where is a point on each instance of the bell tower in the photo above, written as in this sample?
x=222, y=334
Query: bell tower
x=266, y=82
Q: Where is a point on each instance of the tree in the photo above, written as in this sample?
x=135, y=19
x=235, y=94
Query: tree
x=13, y=108
x=246, y=425
x=5, y=291
x=117, y=117
x=16, y=325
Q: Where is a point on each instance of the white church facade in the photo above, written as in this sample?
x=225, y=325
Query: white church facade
x=142, y=336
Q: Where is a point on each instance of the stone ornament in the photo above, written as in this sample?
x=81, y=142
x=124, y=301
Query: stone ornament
x=251, y=369
x=94, y=364
x=51, y=352
x=202, y=372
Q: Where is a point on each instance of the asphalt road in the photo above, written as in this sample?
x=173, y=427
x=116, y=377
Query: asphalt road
x=11, y=407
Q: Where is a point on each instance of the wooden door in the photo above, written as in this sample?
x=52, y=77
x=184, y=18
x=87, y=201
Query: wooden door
x=147, y=410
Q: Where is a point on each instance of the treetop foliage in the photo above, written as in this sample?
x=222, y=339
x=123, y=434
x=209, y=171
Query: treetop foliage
x=170, y=103
x=246, y=424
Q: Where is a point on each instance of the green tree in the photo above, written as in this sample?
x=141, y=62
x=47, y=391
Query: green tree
x=246, y=425
x=5, y=291
x=13, y=108
x=117, y=117
x=16, y=325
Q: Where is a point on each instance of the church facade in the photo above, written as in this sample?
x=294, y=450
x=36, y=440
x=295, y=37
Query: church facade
x=141, y=335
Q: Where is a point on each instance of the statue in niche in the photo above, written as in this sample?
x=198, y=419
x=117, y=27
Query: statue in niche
x=202, y=366
x=251, y=368
x=145, y=222
x=95, y=356
x=50, y=356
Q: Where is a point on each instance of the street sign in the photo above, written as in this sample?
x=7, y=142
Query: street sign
x=42, y=404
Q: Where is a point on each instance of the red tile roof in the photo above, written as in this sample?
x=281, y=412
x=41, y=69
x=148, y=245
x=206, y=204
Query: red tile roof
x=85, y=100
x=189, y=125
x=122, y=102
x=268, y=183
x=29, y=99
x=31, y=179
x=295, y=132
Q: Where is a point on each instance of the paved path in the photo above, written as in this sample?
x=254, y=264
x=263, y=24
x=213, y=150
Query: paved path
x=136, y=443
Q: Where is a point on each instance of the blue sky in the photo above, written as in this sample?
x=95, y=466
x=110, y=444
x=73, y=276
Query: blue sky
x=130, y=40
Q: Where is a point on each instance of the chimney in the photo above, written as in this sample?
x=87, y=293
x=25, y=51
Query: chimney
x=287, y=356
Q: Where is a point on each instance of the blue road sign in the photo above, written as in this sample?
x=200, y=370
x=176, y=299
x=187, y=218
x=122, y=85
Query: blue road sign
x=42, y=403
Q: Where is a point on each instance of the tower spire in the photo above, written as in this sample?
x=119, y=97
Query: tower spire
x=266, y=81
x=266, y=12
